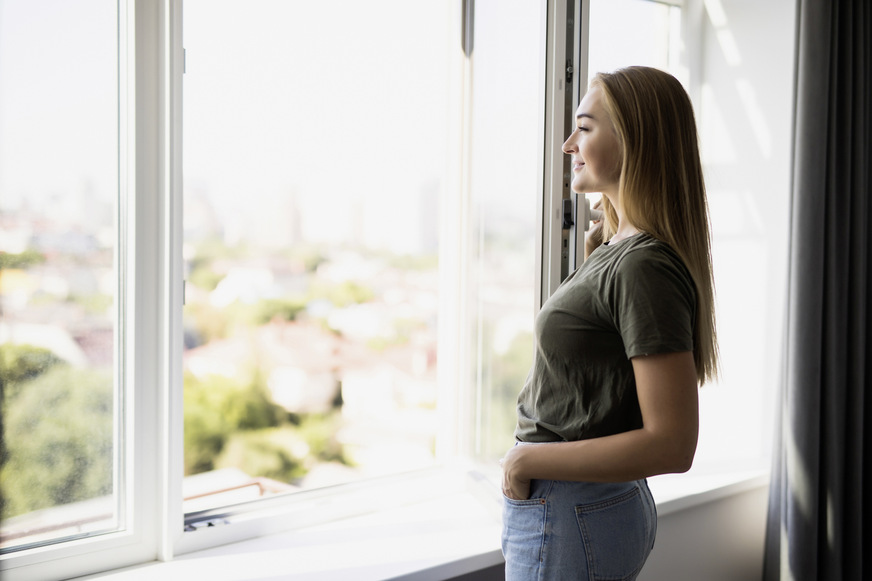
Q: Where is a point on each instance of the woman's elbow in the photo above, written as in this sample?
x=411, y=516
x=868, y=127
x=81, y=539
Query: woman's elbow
x=677, y=457
x=682, y=462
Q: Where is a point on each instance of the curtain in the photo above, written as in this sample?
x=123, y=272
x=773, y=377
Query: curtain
x=822, y=467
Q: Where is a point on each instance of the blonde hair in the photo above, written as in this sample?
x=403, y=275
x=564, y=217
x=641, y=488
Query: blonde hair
x=661, y=188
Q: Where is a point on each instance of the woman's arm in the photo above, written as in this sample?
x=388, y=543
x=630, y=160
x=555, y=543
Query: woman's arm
x=667, y=388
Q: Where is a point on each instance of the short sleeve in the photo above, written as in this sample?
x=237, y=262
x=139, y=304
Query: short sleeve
x=653, y=302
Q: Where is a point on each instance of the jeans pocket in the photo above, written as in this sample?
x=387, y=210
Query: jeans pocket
x=523, y=530
x=617, y=534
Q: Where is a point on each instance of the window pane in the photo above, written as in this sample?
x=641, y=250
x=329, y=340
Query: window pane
x=505, y=183
x=58, y=194
x=315, y=157
x=634, y=32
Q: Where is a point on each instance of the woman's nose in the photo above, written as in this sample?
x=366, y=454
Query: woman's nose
x=569, y=145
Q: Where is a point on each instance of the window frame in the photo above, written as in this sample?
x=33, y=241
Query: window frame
x=455, y=440
x=147, y=293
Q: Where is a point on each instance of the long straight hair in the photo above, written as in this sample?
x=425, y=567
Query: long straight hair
x=661, y=188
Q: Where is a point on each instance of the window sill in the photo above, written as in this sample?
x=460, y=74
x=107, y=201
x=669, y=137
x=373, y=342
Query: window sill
x=449, y=535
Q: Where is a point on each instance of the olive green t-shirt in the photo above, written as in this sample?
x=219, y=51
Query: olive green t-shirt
x=631, y=298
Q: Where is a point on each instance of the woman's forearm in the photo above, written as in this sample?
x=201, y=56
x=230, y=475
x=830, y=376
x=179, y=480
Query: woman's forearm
x=621, y=457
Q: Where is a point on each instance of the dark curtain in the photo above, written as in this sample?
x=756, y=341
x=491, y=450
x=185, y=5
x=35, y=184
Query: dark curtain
x=820, y=500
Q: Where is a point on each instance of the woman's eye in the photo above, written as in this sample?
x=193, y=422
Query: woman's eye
x=581, y=128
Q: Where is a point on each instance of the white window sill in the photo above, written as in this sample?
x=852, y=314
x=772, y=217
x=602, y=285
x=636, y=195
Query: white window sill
x=443, y=537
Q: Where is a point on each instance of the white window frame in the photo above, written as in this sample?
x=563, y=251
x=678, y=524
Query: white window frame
x=455, y=440
x=148, y=290
x=556, y=119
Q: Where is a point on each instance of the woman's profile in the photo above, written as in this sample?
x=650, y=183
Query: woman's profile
x=622, y=345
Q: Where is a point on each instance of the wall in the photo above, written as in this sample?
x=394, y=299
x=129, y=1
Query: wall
x=720, y=540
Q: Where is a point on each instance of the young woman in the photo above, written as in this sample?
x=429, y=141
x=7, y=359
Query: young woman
x=621, y=346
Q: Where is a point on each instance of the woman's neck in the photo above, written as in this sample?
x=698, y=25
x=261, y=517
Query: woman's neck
x=624, y=231
x=625, y=228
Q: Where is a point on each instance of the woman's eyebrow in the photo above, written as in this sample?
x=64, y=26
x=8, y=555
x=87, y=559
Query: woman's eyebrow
x=588, y=115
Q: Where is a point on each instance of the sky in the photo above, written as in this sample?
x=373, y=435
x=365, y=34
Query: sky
x=58, y=98
x=338, y=109
x=334, y=110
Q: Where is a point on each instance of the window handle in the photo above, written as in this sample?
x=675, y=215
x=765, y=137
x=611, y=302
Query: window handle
x=467, y=26
x=568, y=211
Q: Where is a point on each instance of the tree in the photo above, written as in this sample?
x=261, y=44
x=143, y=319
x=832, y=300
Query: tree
x=21, y=260
x=59, y=440
x=215, y=407
x=20, y=363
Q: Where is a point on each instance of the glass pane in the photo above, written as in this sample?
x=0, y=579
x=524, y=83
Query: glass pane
x=58, y=192
x=316, y=142
x=506, y=181
x=634, y=32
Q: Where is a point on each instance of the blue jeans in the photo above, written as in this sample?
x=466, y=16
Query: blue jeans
x=579, y=530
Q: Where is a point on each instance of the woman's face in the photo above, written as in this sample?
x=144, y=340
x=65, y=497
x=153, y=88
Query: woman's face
x=594, y=147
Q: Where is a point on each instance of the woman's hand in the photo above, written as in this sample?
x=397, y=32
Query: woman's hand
x=516, y=486
x=593, y=237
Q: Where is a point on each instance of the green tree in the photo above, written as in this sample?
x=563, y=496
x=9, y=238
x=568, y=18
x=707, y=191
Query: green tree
x=21, y=363
x=58, y=439
x=288, y=452
x=20, y=260
x=215, y=407
x=507, y=374
x=319, y=432
x=285, y=309
x=204, y=277
x=269, y=453
x=342, y=294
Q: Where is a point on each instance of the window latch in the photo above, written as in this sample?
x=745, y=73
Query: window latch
x=202, y=524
